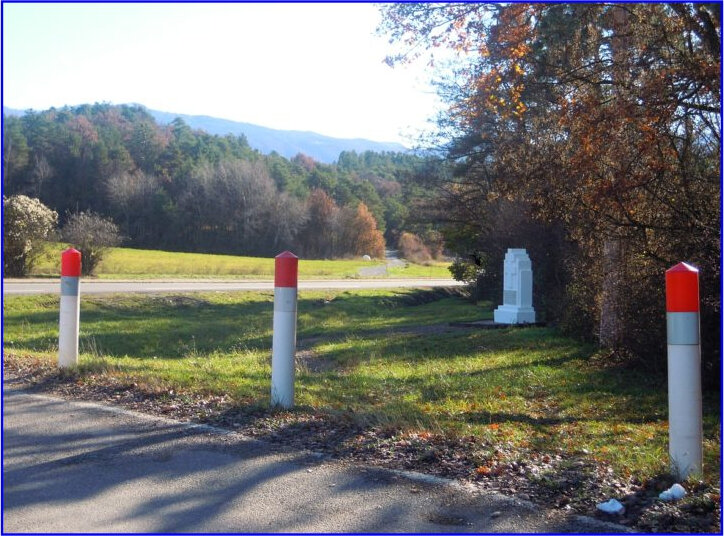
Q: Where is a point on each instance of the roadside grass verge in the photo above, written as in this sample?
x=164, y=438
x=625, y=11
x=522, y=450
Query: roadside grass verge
x=128, y=263
x=387, y=359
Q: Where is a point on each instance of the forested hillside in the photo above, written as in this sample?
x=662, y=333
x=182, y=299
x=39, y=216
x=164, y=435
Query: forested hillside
x=172, y=187
x=288, y=143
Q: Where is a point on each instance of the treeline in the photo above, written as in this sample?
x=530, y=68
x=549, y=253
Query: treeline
x=174, y=188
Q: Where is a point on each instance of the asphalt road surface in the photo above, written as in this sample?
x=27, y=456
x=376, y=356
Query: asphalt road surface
x=91, y=286
x=73, y=466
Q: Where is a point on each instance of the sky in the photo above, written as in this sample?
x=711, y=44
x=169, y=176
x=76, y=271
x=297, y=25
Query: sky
x=314, y=67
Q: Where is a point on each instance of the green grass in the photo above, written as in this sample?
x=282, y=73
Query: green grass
x=127, y=263
x=430, y=269
x=529, y=388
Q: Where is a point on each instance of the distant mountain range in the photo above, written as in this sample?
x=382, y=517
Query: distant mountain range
x=287, y=143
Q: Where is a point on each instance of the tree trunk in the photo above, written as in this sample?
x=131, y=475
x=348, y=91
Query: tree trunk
x=610, y=329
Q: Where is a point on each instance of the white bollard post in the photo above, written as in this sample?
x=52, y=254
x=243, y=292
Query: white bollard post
x=684, y=371
x=70, y=265
x=284, y=338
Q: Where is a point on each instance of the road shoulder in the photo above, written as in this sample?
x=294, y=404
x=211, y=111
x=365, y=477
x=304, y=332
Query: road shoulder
x=162, y=475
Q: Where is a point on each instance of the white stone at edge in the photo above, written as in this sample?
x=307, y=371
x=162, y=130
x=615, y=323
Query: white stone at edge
x=517, y=305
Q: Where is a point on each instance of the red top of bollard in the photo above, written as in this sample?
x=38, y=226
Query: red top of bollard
x=70, y=263
x=682, y=289
x=285, y=269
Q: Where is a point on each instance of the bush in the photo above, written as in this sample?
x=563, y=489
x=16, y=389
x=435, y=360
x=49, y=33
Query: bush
x=412, y=248
x=92, y=235
x=26, y=224
x=434, y=242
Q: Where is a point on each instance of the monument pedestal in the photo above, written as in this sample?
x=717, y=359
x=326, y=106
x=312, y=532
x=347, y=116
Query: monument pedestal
x=517, y=305
x=508, y=314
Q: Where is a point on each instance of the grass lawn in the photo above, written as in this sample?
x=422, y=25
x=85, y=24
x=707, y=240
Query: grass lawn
x=127, y=263
x=367, y=352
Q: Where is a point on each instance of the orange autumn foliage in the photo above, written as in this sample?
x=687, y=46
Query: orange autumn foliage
x=359, y=233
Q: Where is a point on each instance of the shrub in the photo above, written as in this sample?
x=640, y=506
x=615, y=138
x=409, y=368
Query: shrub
x=26, y=224
x=412, y=248
x=92, y=235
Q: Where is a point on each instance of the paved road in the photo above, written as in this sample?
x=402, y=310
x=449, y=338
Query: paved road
x=82, y=467
x=90, y=286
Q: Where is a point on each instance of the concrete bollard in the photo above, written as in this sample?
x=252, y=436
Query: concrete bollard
x=684, y=371
x=70, y=266
x=284, y=338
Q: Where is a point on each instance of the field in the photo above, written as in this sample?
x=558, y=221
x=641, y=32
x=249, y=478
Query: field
x=127, y=263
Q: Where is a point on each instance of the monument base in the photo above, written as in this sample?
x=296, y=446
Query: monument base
x=509, y=314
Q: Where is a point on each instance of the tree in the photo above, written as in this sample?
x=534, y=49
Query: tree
x=359, y=233
x=602, y=118
x=286, y=177
x=289, y=218
x=396, y=214
x=92, y=235
x=136, y=201
x=26, y=224
x=15, y=152
x=319, y=235
x=366, y=193
x=230, y=208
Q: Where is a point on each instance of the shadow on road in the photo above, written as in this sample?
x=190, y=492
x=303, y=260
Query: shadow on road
x=72, y=467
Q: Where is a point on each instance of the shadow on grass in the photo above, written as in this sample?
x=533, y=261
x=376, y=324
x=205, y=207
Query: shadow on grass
x=172, y=326
x=177, y=326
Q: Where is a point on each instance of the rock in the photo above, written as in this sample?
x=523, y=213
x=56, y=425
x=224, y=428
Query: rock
x=674, y=493
x=612, y=506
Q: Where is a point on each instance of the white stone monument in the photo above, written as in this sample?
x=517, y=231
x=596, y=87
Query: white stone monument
x=517, y=305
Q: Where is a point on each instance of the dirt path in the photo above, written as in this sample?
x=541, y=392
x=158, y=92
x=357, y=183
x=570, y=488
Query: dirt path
x=393, y=261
